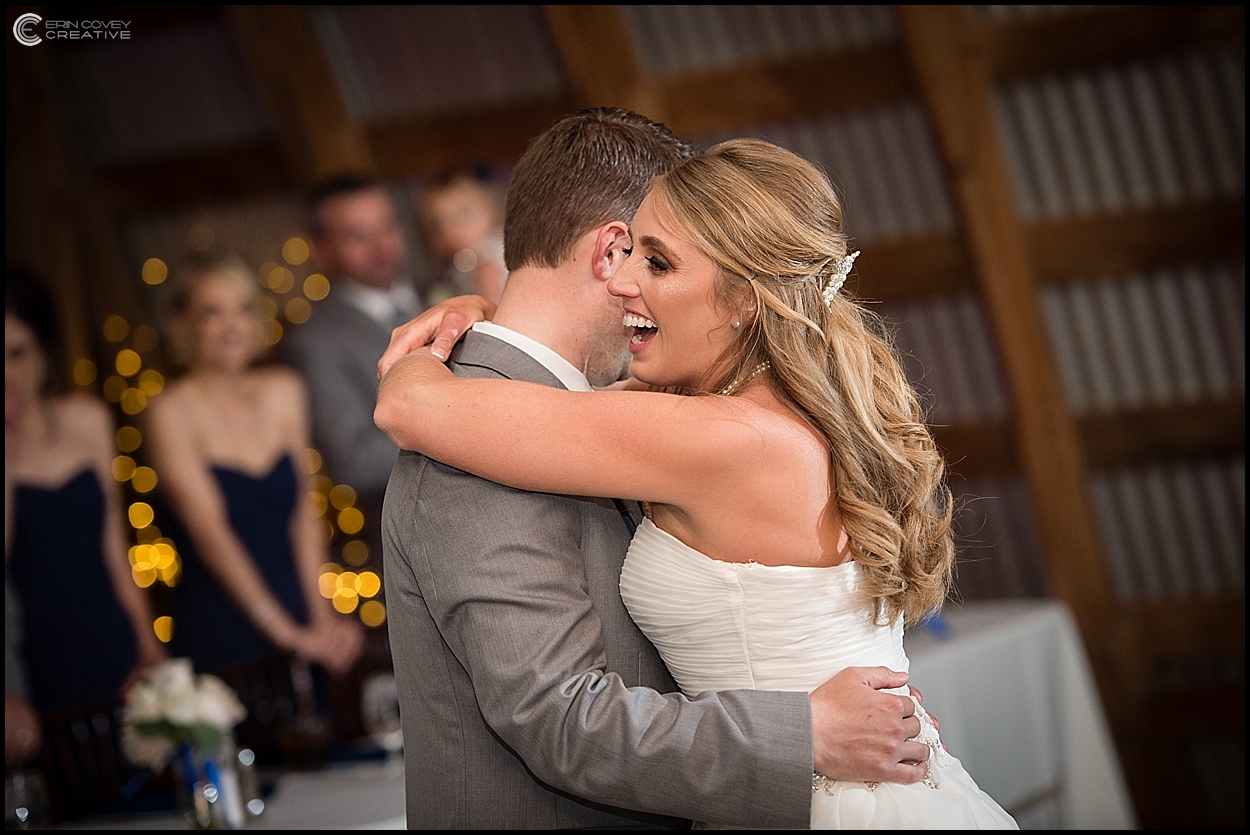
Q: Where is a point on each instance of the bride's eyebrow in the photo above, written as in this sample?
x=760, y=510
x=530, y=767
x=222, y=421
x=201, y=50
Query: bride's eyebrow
x=652, y=242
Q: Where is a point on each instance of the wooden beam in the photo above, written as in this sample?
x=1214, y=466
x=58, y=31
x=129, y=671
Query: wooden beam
x=1162, y=435
x=1099, y=35
x=202, y=179
x=973, y=450
x=1067, y=250
x=1080, y=248
x=1153, y=435
x=1194, y=627
x=800, y=88
x=906, y=269
x=954, y=76
x=317, y=132
x=417, y=147
x=599, y=60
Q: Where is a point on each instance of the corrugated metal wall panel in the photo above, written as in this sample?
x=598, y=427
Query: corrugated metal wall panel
x=1171, y=337
x=998, y=553
x=1174, y=530
x=1138, y=136
x=1023, y=12
x=403, y=61
x=884, y=163
x=686, y=39
x=951, y=356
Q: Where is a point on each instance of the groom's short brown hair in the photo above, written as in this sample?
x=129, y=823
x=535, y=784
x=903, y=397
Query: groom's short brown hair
x=590, y=168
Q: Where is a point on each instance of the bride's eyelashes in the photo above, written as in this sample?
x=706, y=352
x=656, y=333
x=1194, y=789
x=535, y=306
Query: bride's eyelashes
x=657, y=265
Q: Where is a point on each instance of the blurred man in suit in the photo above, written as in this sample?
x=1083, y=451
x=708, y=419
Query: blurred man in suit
x=360, y=246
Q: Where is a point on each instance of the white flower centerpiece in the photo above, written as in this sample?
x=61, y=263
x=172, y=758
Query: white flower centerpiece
x=171, y=706
x=172, y=715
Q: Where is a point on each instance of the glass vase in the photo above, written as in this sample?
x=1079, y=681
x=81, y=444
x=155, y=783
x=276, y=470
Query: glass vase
x=209, y=790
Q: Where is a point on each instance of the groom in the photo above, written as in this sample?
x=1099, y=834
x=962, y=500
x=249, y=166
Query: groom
x=529, y=698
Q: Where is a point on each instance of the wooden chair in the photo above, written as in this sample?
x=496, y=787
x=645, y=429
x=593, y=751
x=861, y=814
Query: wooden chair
x=83, y=764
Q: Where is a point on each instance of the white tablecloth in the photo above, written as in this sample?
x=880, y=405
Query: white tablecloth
x=1013, y=692
x=347, y=797
x=356, y=796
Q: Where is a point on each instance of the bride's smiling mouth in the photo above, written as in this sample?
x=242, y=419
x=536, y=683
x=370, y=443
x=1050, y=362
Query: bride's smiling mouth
x=644, y=330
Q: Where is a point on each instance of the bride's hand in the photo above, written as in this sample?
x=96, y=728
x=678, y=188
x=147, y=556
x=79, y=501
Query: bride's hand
x=394, y=409
x=439, y=327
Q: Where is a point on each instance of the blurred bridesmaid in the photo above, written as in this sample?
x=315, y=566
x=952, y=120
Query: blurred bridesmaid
x=226, y=439
x=86, y=627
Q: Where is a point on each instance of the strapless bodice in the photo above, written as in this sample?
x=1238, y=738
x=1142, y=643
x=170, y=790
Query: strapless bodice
x=723, y=626
x=79, y=644
x=210, y=629
x=731, y=626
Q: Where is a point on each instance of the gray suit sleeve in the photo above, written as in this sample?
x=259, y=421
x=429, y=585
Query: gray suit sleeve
x=507, y=590
x=343, y=395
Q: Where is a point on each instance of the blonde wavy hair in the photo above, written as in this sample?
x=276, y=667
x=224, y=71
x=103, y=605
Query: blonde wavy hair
x=772, y=223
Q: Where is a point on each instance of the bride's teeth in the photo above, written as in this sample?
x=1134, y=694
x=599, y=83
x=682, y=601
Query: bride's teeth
x=632, y=321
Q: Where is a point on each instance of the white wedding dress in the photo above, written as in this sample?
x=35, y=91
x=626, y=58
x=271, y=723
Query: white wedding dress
x=733, y=626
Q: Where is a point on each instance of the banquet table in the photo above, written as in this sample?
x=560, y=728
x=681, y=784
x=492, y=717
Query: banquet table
x=1008, y=681
x=362, y=795
x=1010, y=684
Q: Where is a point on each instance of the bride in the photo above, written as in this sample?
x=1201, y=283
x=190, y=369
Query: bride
x=796, y=512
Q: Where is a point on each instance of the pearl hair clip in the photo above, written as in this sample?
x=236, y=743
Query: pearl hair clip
x=842, y=270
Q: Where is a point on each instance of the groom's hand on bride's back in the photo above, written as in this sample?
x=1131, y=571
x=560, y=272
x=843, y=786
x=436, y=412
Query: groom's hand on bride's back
x=861, y=733
x=439, y=327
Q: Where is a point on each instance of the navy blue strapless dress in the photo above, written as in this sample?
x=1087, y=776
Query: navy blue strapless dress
x=208, y=627
x=79, y=643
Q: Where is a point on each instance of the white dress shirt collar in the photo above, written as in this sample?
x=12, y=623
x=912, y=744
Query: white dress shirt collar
x=563, y=370
x=386, y=307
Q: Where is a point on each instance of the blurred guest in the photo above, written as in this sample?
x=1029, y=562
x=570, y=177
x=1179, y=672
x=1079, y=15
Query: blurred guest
x=461, y=214
x=86, y=627
x=226, y=439
x=359, y=244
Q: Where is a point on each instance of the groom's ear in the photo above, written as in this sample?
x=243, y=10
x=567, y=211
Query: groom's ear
x=612, y=247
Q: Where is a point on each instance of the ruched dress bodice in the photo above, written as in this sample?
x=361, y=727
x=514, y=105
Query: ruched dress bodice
x=726, y=626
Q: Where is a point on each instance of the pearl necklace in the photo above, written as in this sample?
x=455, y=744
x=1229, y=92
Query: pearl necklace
x=742, y=381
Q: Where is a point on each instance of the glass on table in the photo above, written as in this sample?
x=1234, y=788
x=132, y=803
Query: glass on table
x=25, y=800
x=379, y=703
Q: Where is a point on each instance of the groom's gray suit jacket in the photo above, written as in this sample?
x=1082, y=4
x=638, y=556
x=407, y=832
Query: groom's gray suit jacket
x=524, y=686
